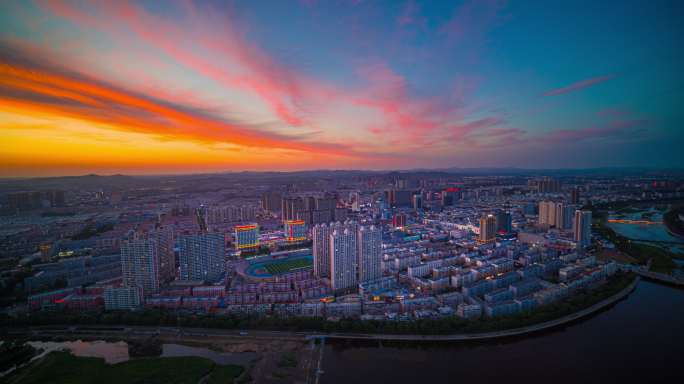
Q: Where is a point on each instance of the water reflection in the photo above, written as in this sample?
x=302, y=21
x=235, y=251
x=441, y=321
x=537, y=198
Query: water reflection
x=638, y=338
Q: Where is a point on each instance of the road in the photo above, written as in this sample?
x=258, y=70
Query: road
x=660, y=277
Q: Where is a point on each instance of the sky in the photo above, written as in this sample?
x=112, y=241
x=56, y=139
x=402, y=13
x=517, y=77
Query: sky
x=157, y=87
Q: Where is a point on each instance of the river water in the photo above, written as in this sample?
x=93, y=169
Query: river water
x=648, y=232
x=638, y=339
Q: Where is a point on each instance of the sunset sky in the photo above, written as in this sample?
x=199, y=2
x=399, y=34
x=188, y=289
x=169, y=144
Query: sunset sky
x=181, y=86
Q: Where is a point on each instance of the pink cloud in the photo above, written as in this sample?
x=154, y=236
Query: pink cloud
x=263, y=77
x=578, y=85
x=216, y=48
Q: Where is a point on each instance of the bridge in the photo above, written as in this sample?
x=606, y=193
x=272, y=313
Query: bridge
x=640, y=222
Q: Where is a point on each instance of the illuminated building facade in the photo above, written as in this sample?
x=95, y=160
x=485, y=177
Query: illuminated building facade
x=247, y=237
x=295, y=230
x=487, y=229
x=399, y=220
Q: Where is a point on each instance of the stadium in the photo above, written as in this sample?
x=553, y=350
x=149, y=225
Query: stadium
x=270, y=267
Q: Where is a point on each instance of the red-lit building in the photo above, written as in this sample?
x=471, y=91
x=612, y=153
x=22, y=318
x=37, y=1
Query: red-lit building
x=399, y=220
x=295, y=230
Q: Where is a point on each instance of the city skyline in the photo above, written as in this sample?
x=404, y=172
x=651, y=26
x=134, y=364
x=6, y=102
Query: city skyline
x=186, y=87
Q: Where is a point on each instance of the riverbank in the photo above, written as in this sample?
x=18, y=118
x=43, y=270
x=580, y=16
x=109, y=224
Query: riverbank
x=498, y=334
x=659, y=259
x=637, y=340
x=672, y=222
x=209, y=335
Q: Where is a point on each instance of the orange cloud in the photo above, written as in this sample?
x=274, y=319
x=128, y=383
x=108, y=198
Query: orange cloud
x=69, y=94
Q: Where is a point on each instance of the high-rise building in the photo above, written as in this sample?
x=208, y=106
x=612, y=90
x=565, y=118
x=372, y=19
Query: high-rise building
x=582, y=228
x=140, y=264
x=295, y=230
x=369, y=252
x=504, y=222
x=290, y=207
x=315, y=217
x=22, y=201
x=417, y=202
x=450, y=196
x=399, y=198
x=343, y=258
x=320, y=237
x=326, y=203
x=559, y=220
x=552, y=214
x=568, y=216
x=312, y=210
x=547, y=213
x=487, y=229
x=574, y=195
x=202, y=256
x=167, y=258
x=548, y=185
x=247, y=237
x=271, y=201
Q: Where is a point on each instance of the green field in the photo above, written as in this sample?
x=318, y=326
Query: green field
x=62, y=367
x=287, y=266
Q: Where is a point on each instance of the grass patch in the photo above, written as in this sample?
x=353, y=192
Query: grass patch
x=287, y=360
x=62, y=367
x=223, y=374
x=662, y=264
x=280, y=267
x=279, y=375
x=620, y=257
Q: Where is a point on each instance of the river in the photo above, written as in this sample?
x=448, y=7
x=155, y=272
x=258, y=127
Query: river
x=639, y=338
x=647, y=232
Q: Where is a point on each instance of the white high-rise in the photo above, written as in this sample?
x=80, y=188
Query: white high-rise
x=320, y=237
x=140, y=264
x=167, y=260
x=202, y=257
x=582, y=228
x=369, y=243
x=343, y=258
x=552, y=214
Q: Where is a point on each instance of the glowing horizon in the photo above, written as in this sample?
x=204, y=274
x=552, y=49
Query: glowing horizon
x=184, y=87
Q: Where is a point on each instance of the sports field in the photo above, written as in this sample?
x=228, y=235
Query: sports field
x=278, y=267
